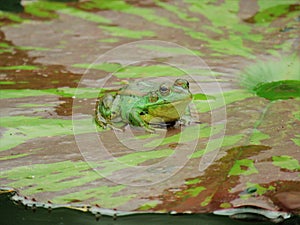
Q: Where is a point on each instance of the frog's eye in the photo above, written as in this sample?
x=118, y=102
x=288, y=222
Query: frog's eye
x=182, y=83
x=153, y=97
x=164, y=89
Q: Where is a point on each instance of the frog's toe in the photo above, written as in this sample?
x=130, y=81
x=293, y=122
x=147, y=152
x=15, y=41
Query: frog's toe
x=149, y=129
x=183, y=122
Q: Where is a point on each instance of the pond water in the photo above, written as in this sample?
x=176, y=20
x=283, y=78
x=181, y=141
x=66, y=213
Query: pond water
x=241, y=150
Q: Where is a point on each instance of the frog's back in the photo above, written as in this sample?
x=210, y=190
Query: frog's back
x=139, y=88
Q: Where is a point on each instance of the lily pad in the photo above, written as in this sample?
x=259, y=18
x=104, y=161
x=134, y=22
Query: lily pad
x=284, y=89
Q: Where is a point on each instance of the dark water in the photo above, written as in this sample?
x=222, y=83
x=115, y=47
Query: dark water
x=16, y=5
x=11, y=5
x=12, y=213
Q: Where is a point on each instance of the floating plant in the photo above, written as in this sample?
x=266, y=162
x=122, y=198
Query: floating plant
x=274, y=80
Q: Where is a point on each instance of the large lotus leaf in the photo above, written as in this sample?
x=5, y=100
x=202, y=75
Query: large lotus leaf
x=242, y=148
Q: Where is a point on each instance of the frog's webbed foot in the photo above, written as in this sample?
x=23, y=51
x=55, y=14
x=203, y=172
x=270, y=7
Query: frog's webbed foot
x=185, y=120
x=149, y=129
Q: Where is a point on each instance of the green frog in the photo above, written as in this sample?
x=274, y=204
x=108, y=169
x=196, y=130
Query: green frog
x=145, y=104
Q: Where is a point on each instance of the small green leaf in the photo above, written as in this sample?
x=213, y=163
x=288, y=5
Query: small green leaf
x=243, y=167
x=286, y=162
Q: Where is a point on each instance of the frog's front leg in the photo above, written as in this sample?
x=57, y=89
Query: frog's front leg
x=135, y=119
x=104, y=110
x=190, y=116
x=186, y=118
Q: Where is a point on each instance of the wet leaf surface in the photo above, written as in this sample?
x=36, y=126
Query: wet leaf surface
x=51, y=79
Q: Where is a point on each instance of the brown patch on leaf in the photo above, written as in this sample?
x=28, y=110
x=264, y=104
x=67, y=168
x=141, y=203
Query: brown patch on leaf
x=43, y=77
x=65, y=108
x=216, y=182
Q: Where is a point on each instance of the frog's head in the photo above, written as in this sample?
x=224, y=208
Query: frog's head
x=169, y=102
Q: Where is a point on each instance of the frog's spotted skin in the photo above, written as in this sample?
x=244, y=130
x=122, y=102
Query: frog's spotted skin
x=145, y=104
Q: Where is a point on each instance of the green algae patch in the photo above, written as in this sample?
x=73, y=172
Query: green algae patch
x=133, y=71
x=195, y=191
x=177, y=11
x=44, y=9
x=103, y=4
x=20, y=129
x=243, y=167
x=33, y=10
x=226, y=141
x=4, y=47
x=192, y=181
x=20, y=67
x=232, y=43
x=207, y=201
x=10, y=16
x=225, y=205
x=188, y=134
x=136, y=71
x=218, y=179
x=151, y=16
x=127, y=33
x=107, y=67
x=109, y=40
x=220, y=99
x=124, y=7
x=257, y=136
x=149, y=205
x=148, y=71
x=296, y=140
x=104, y=196
x=134, y=159
x=190, y=192
x=57, y=176
x=7, y=82
x=171, y=50
x=200, y=96
x=22, y=93
x=35, y=105
x=284, y=89
x=274, y=80
x=85, y=15
x=63, y=92
x=108, y=167
x=21, y=155
x=13, y=156
x=286, y=162
x=34, y=48
x=297, y=115
x=269, y=14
